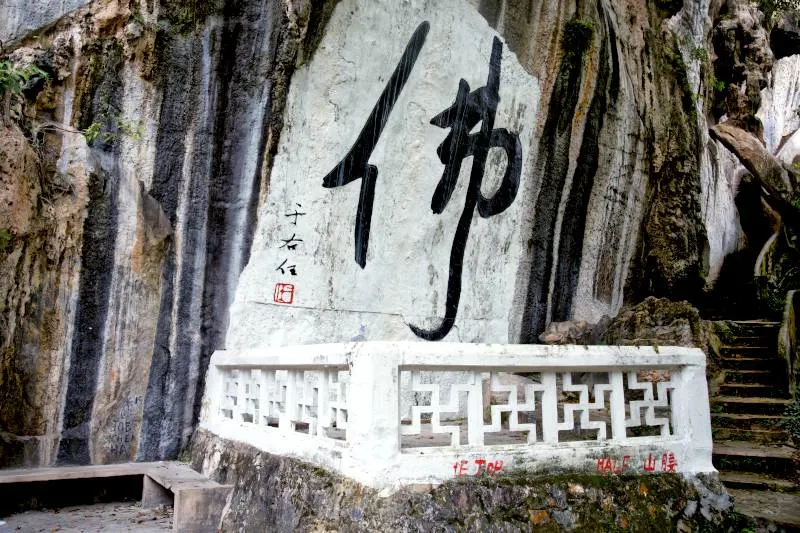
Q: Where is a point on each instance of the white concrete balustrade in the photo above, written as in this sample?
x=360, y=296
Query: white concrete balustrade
x=389, y=414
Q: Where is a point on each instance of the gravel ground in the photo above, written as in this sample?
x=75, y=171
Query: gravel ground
x=105, y=517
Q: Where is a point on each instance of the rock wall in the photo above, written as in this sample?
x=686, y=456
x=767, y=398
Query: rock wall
x=282, y=494
x=608, y=178
x=23, y=16
x=40, y=253
x=405, y=244
x=467, y=171
x=177, y=101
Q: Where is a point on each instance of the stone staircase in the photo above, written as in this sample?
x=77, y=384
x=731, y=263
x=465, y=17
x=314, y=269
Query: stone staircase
x=751, y=451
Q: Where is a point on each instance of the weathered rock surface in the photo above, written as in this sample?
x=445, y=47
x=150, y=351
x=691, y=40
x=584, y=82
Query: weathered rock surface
x=281, y=494
x=769, y=170
x=585, y=216
x=23, y=16
x=111, y=321
x=784, y=38
x=580, y=332
x=656, y=321
x=742, y=64
x=40, y=249
x=207, y=119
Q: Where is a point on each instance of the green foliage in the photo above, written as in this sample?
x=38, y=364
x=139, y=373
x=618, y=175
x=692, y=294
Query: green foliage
x=92, y=131
x=717, y=84
x=5, y=240
x=14, y=79
x=110, y=125
x=138, y=18
x=791, y=420
x=773, y=9
x=129, y=128
x=699, y=53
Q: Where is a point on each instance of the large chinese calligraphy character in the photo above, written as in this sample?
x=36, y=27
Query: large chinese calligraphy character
x=355, y=164
x=468, y=110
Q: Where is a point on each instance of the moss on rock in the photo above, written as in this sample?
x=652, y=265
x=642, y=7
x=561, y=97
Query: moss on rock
x=283, y=494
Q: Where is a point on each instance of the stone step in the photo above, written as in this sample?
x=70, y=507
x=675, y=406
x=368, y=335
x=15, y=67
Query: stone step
x=740, y=421
x=755, y=340
x=758, y=436
x=753, y=390
x=749, y=457
x=754, y=325
x=772, y=364
x=782, y=510
x=752, y=481
x=752, y=376
x=747, y=351
x=756, y=406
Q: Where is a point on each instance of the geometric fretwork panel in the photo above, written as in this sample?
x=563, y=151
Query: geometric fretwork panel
x=313, y=402
x=479, y=408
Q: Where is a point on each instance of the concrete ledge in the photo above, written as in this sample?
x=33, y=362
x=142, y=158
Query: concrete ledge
x=30, y=475
x=198, y=501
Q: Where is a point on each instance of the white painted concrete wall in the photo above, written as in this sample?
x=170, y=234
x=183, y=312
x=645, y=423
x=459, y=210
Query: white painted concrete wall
x=406, y=275
x=371, y=451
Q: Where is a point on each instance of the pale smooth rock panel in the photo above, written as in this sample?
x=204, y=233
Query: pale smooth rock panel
x=20, y=17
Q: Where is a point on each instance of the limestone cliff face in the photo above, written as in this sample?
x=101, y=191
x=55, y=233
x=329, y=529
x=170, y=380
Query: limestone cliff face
x=608, y=207
x=181, y=143
x=113, y=302
x=40, y=251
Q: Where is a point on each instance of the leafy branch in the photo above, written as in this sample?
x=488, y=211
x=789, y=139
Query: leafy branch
x=109, y=124
x=13, y=80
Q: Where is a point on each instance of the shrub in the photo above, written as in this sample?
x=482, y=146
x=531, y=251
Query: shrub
x=13, y=80
x=791, y=420
x=5, y=240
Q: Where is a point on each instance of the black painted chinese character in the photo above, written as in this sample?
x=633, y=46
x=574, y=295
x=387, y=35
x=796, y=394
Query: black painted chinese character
x=290, y=243
x=355, y=164
x=296, y=214
x=292, y=268
x=465, y=113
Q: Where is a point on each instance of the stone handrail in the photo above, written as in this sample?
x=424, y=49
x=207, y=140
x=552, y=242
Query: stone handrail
x=389, y=414
x=789, y=339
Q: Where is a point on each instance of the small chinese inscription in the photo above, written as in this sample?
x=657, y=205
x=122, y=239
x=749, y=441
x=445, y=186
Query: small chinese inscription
x=477, y=467
x=630, y=464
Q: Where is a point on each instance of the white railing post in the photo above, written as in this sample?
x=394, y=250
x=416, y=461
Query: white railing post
x=474, y=410
x=323, y=401
x=236, y=408
x=373, y=407
x=691, y=414
x=549, y=407
x=214, y=393
x=617, y=406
